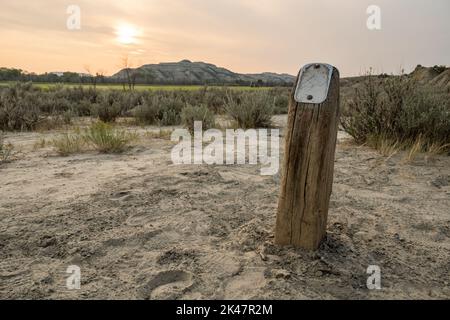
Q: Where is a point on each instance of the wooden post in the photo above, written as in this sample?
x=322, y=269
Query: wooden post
x=307, y=175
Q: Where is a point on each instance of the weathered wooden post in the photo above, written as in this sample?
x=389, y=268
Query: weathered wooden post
x=307, y=175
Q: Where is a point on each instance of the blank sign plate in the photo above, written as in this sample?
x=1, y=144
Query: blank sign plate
x=313, y=84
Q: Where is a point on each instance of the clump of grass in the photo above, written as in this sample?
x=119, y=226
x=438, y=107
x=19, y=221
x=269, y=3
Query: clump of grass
x=42, y=143
x=99, y=136
x=386, y=146
x=107, y=139
x=6, y=150
x=202, y=113
x=251, y=109
x=435, y=149
x=67, y=144
x=412, y=153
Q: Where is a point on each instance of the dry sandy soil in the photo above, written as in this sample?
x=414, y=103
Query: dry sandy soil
x=142, y=228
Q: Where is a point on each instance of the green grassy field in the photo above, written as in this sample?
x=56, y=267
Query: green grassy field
x=137, y=87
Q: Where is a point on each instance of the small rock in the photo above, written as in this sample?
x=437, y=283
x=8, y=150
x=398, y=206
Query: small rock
x=47, y=241
x=432, y=293
x=281, y=274
x=47, y=280
x=441, y=181
x=399, y=238
x=362, y=236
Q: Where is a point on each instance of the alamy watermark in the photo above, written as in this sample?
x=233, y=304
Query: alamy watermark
x=374, y=279
x=73, y=282
x=73, y=21
x=374, y=19
x=234, y=147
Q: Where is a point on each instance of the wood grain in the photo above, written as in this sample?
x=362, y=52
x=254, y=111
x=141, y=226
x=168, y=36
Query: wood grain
x=307, y=174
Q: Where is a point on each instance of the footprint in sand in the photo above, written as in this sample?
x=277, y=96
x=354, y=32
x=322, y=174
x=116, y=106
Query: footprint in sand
x=247, y=285
x=166, y=285
x=140, y=219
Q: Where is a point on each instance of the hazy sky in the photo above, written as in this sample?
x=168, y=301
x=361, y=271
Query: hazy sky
x=242, y=35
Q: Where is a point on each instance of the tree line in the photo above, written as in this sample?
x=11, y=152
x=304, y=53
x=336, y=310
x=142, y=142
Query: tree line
x=129, y=79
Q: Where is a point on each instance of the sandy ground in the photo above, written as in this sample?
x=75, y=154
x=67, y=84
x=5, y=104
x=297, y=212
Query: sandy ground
x=140, y=227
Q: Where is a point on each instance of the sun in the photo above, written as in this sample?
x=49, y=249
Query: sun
x=126, y=34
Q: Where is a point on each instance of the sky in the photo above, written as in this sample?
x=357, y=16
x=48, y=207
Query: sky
x=246, y=36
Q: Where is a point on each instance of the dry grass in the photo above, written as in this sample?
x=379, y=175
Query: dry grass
x=437, y=148
x=414, y=149
x=6, y=150
x=161, y=134
x=98, y=136
x=107, y=139
x=42, y=143
x=410, y=149
x=68, y=144
x=384, y=145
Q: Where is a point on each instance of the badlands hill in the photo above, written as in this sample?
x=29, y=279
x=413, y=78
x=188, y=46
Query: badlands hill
x=187, y=72
x=437, y=77
x=199, y=73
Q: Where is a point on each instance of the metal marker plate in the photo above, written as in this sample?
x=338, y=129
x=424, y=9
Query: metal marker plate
x=314, y=83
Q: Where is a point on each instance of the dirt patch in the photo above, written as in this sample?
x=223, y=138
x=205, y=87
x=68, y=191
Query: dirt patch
x=142, y=228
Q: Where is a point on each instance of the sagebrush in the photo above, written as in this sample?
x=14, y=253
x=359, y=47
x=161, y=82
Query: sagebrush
x=191, y=114
x=26, y=107
x=399, y=110
x=251, y=109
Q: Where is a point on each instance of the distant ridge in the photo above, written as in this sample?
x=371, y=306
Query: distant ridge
x=199, y=73
x=438, y=76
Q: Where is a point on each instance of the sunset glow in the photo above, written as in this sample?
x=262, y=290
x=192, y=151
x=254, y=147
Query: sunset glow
x=126, y=34
x=242, y=35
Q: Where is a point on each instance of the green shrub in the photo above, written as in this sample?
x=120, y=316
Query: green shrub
x=18, y=109
x=51, y=104
x=159, y=109
x=215, y=99
x=147, y=111
x=84, y=108
x=170, y=111
x=251, y=109
x=400, y=110
x=281, y=100
x=106, y=139
x=23, y=107
x=190, y=114
x=26, y=107
x=363, y=115
x=109, y=107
